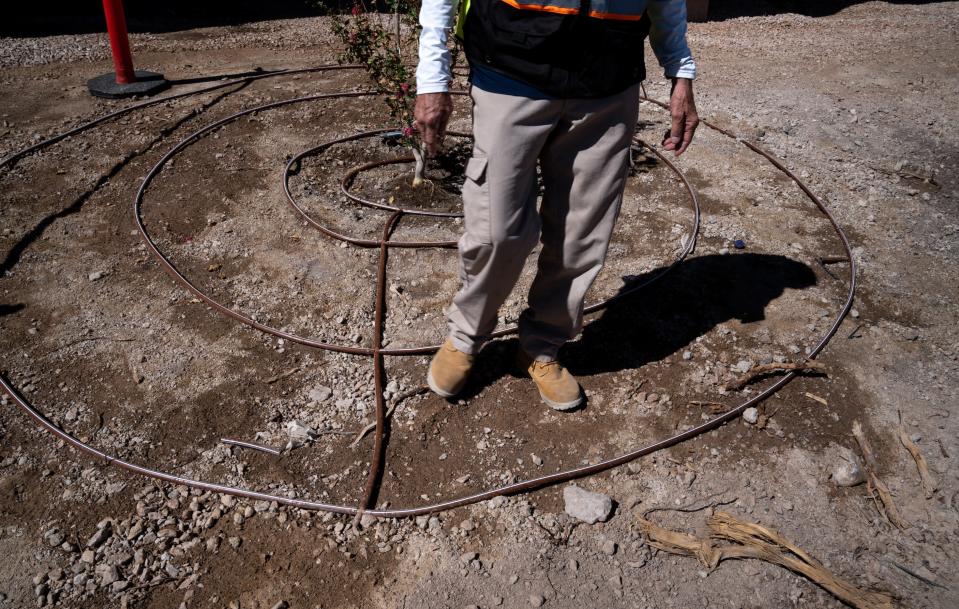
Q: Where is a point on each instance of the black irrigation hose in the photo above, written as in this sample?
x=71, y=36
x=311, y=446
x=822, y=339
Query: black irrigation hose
x=384, y=244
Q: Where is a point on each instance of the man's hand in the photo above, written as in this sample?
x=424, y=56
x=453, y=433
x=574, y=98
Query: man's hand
x=431, y=114
x=682, y=109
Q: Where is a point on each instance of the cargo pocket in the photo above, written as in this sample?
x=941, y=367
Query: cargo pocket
x=476, y=207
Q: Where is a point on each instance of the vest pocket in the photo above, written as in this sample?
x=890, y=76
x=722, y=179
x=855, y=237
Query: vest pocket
x=476, y=206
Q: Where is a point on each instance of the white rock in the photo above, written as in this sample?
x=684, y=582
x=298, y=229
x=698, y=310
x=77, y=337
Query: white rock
x=299, y=433
x=585, y=505
x=751, y=415
x=320, y=394
x=848, y=470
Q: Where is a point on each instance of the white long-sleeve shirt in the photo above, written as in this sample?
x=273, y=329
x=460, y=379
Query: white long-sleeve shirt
x=667, y=36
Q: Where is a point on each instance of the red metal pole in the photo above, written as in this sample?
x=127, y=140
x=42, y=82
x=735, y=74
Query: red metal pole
x=119, y=43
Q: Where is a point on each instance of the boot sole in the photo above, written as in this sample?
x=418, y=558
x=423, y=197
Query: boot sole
x=561, y=406
x=437, y=390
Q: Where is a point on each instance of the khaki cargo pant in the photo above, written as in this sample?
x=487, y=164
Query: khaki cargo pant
x=582, y=146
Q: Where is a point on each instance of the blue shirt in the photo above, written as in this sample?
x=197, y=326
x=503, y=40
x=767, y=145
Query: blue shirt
x=492, y=81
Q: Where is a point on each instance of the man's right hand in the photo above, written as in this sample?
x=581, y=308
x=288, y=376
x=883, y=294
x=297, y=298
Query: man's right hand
x=431, y=114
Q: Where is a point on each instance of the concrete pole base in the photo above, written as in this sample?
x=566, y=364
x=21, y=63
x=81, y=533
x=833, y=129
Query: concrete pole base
x=147, y=83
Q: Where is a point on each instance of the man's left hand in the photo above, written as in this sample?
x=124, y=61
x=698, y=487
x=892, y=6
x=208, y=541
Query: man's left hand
x=682, y=109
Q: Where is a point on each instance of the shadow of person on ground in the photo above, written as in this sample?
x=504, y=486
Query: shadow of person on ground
x=691, y=300
x=665, y=316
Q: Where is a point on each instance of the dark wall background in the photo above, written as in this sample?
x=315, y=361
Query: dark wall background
x=39, y=18
x=728, y=9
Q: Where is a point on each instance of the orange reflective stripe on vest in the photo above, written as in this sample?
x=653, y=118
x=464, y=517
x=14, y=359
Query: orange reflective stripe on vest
x=620, y=10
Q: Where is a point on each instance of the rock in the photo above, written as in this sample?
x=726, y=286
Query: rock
x=536, y=600
x=281, y=605
x=88, y=556
x=467, y=525
x=537, y=460
x=96, y=275
x=320, y=394
x=687, y=355
x=608, y=547
x=585, y=505
x=751, y=415
x=55, y=538
x=107, y=574
x=101, y=536
x=299, y=434
x=848, y=470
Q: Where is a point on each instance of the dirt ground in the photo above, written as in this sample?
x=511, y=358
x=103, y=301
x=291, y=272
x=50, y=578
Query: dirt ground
x=860, y=104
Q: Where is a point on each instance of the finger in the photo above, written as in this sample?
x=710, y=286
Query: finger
x=676, y=132
x=665, y=141
x=688, y=135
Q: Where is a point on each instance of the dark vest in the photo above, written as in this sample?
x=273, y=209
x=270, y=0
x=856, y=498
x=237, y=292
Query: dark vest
x=565, y=48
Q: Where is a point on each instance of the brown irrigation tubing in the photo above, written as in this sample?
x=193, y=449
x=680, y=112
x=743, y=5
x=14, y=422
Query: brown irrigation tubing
x=347, y=182
x=516, y=487
x=16, y=156
x=379, y=369
x=296, y=161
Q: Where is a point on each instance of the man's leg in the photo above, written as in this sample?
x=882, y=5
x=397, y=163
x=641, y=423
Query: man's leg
x=584, y=165
x=499, y=202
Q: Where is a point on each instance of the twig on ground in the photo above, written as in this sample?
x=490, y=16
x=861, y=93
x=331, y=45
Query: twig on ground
x=90, y=339
x=924, y=580
x=706, y=503
x=764, y=369
x=825, y=261
x=852, y=334
x=928, y=480
x=750, y=540
x=282, y=376
x=389, y=411
x=832, y=259
x=714, y=407
x=815, y=397
x=874, y=482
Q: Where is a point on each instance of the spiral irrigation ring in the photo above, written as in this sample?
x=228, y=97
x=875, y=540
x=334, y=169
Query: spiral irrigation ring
x=376, y=349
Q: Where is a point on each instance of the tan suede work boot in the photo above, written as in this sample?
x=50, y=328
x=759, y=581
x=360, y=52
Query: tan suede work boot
x=556, y=385
x=449, y=370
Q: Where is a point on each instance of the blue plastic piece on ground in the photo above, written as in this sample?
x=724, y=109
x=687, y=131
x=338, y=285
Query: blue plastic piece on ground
x=739, y=244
